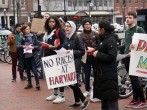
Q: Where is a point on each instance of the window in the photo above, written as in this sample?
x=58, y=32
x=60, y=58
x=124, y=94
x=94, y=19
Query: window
x=85, y=3
x=3, y=2
x=110, y=3
x=80, y=2
x=100, y=3
x=69, y=3
x=143, y=1
x=95, y=2
x=136, y=1
x=105, y=3
x=22, y=2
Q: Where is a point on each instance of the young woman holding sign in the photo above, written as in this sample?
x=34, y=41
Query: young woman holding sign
x=53, y=40
x=75, y=43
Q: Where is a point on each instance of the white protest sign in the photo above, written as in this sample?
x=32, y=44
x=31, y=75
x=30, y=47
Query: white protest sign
x=138, y=60
x=59, y=70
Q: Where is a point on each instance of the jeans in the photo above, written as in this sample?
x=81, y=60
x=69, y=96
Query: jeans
x=136, y=85
x=31, y=65
x=110, y=105
x=87, y=70
x=15, y=57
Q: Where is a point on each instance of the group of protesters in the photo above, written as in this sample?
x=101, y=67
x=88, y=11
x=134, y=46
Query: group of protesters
x=61, y=32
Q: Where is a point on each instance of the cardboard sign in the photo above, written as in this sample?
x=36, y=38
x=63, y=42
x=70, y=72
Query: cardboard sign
x=38, y=25
x=138, y=61
x=59, y=70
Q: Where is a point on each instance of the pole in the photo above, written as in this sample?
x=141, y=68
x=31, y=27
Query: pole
x=89, y=10
x=17, y=12
x=13, y=12
x=124, y=4
x=39, y=9
x=64, y=9
x=5, y=24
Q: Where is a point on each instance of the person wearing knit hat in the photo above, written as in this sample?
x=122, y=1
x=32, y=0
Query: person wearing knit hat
x=75, y=43
x=86, y=20
x=90, y=39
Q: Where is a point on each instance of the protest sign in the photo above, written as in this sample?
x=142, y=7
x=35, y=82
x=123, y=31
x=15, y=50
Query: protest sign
x=37, y=25
x=59, y=70
x=138, y=60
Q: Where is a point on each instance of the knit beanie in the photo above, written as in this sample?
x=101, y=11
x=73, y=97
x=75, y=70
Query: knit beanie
x=86, y=20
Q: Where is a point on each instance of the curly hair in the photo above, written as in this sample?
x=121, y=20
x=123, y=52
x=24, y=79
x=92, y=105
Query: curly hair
x=57, y=24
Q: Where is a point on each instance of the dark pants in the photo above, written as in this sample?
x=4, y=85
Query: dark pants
x=136, y=85
x=61, y=89
x=78, y=95
x=15, y=56
x=87, y=70
x=31, y=65
x=110, y=105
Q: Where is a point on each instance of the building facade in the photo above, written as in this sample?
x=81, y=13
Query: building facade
x=97, y=9
x=121, y=8
x=19, y=9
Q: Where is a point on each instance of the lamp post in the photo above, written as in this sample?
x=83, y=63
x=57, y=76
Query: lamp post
x=90, y=4
x=13, y=12
x=112, y=15
x=39, y=9
x=5, y=18
x=64, y=9
x=18, y=7
x=124, y=4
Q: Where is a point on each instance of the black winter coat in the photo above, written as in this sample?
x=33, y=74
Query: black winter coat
x=106, y=79
x=76, y=44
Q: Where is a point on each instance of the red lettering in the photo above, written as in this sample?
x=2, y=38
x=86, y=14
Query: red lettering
x=51, y=80
x=141, y=45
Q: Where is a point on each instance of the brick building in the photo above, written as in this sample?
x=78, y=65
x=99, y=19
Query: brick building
x=23, y=10
x=130, y=5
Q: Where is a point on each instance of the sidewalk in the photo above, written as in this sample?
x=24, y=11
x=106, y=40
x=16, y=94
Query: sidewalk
x=15, y=97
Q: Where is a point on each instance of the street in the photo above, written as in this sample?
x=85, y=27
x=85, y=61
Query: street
x=15, y=97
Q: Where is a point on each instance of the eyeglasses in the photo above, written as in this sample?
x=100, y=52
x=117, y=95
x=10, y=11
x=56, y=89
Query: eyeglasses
x=67, y=26
x=87, y=24
x=51, y=21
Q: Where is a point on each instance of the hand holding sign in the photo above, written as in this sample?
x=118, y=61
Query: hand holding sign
x=44, y=45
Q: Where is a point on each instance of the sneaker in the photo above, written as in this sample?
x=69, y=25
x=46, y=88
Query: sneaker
x=131, y=104
x=86, y=93
x=51, y=98
x=59, y=100
x=13, y=80
x=74, y=105
x=95, y=100
x=140, y=105
x=84, y=105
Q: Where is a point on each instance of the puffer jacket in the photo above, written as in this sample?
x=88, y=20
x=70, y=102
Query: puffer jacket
x=76, y=44
x=106, y=78
x=90, y=39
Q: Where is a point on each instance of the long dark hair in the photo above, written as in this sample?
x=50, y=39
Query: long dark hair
x=46, y=26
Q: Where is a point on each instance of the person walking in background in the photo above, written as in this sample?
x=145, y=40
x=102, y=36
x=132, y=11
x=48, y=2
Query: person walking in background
x=54, y=38
x=75, y=43
x=106, y=78
x=32, y=60
x=138, y=100
x=13, y=43
x=90, y=39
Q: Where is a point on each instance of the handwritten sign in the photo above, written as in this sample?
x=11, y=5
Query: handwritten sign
x=138, y=61
x=59, y=70
x=37, y=25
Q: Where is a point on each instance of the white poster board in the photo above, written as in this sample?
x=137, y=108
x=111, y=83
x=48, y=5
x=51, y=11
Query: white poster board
x=138, y=60
x=59, y=70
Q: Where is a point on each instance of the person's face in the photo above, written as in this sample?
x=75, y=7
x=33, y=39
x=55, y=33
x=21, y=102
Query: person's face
x=68, y=28
x=18, y=29
x=130, y=20
x=51, y=23
x=27, y=30
x=101, y=31
x=87, y=26
x=46, y=16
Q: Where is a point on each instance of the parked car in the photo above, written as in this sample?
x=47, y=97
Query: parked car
x=94, y=28
x=118, y=28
